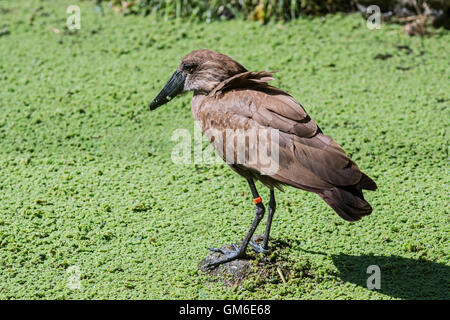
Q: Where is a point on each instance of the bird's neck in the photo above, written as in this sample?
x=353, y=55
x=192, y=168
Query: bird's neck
x=197, y=102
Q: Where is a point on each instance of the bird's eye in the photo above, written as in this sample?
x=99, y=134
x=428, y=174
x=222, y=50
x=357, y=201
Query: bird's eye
x=189, y=67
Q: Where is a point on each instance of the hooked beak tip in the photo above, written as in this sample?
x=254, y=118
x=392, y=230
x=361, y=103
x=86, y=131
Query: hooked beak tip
x=173, y=87
x=157, y=102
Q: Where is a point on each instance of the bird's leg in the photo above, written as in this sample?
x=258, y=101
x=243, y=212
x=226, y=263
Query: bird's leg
x=264, y=247
x=239, y=252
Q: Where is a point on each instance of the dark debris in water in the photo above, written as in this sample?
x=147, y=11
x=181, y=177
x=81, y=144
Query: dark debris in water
x=382, y=56
x=4, y=32
x=403, y=68
x=405, y=48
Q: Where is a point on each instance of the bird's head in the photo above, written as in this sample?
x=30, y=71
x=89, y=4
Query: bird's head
x=200, y=71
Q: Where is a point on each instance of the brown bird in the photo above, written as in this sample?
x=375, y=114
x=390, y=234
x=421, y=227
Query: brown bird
x=228, y=98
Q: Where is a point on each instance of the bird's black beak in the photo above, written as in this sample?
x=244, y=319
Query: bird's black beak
x=174, y=86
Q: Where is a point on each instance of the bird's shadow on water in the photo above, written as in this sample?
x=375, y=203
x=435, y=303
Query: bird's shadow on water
x=400, y=277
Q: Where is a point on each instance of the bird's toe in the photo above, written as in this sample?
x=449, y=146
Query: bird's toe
x=259, y=248
x=225, y=252
x=230, y=255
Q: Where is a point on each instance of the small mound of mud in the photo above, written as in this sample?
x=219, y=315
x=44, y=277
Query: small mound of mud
x=272, y=267
x=230, y=273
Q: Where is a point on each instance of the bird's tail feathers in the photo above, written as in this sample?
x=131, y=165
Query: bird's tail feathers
x=349, y=203
x=367, y=183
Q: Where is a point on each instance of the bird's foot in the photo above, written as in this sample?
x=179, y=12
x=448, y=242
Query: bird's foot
x=225, y=251
x=230, y=255
x=259, y=248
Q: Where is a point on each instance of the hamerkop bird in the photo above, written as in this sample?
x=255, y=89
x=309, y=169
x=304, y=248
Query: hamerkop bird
x=228, y=97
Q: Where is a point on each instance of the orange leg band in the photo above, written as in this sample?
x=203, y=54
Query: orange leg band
x=257, y=200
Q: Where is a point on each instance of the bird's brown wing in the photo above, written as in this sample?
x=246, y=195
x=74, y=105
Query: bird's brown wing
x=313, y=150
x=308, y=159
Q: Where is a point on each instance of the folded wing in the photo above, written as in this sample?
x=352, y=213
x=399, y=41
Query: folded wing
x=308, y=159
